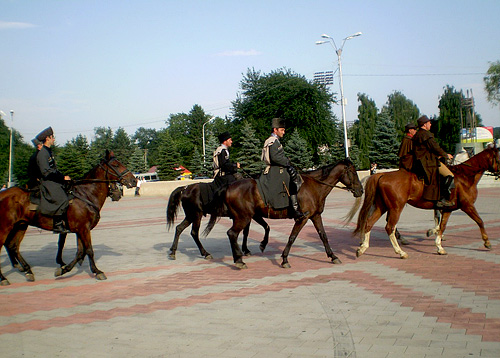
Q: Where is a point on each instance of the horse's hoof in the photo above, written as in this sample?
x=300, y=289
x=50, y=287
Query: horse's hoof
x=442, y=252
x=241, y=265
x=59, y=272
x=30, y=277
x=358, y=253
x=171, y=256
x=262, y=248
x=101, y=276
x=286, y=265
x=404, y=255
x=4, y=282
x=208, y=257
x=487, y=245
x=248, y=253
x=336, y=261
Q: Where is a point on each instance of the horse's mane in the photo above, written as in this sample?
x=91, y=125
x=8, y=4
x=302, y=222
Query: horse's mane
x=473, y=165
x=325, y=170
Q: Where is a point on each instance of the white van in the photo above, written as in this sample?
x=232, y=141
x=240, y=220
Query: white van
x=147, y=176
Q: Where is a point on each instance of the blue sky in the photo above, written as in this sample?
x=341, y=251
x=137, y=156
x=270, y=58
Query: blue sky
x=76, y=65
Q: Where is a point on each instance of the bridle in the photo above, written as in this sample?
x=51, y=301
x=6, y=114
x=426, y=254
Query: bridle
x=344, y=172
x=118, y=174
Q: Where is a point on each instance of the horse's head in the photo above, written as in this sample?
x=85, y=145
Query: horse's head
x=495, y=160
x=116, y=171
x=351, y=180
x=115, y=192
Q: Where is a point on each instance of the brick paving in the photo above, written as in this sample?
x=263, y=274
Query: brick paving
x=373, y=306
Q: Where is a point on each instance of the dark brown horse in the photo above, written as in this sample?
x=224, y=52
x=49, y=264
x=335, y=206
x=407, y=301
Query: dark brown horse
x=389, y=192
x=244, y=203
x=82, y=214
x=190, y=197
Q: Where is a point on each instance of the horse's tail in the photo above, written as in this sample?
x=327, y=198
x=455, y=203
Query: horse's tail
x=356, y=205
x=216, y=211
x=173, y=205
x=366, y=209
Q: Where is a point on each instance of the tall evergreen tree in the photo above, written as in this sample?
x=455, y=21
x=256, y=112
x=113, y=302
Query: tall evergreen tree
x=168, y=157
x=449, y=120
x=73, y=158
x=122, y=146
x=211, y=145
x=251, y=151
x=364, y=128
x=196, y=165
x=384, y=148
x=298, y=153
x=137, y=163
x=401, y=111
x=103, y=140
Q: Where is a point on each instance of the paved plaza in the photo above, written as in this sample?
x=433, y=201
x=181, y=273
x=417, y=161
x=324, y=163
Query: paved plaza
x=373, y=306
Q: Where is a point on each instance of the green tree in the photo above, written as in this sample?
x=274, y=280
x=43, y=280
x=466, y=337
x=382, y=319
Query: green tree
x=168, y=159
x=384, y=149
x=137, y=163
x=251, y=151
x=448, y=125
x=364, y=128
x=103, y=140
x=298, y=153
x=196, y=164
x=401, y=111
x=73, y=158
x=304, y=104
x=147, y=140
x=492, y=83
x=122, y=146
x=210, y=146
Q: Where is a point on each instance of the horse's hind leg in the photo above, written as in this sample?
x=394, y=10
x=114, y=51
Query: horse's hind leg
x=390, y=228
x=442, y=226
x=473, y=214
x=295, y=231
x=244, y=245
x=365, y=240
x=232, y=234
x=178, y=231
x=60, y=247
x=13, y=248
x=318, y=224
x=195, y=231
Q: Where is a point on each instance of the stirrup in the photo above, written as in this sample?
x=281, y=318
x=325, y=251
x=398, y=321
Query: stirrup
x=443, y=203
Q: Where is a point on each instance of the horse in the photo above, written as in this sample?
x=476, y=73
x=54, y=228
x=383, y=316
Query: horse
x=83, y=214
x=391, y=191
x=244, y=203
x=190, y=197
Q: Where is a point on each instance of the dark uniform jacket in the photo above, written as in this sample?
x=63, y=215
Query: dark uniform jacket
x=406, y=153
x=34, y=174
x=275, y=179
x=427, y=151
x=54, y=199
x=224, y=168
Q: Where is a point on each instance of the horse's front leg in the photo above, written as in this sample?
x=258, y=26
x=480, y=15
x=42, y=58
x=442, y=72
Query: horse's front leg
x=318, y=224
x=472, y=212
x=178, y=231
x=232, y=234
x=439, y=234
x=195, y=231
x=295, y=231
x=244, y=245
x=390, y=228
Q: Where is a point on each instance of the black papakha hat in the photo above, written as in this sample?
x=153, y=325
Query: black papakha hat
x=422, y=120
x=47, y=132
x=410, y=126
x=223, y=137
x=278, y=123
x=35, y=142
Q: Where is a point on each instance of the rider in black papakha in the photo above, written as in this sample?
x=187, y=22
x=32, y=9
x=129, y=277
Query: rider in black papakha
x=54, y=200
x=225, y=171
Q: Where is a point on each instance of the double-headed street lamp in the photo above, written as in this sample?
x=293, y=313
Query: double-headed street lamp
x=338, y=51
x=203, y=133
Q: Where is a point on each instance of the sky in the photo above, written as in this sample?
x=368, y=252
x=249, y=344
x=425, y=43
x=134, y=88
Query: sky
x=77, y=65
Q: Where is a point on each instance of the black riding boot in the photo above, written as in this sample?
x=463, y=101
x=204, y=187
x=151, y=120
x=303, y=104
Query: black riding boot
x=449, y=183
x=297, y=215
x=59, y=226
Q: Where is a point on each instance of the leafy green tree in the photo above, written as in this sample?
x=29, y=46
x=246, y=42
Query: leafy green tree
x=304, y=104
x=73, y=158
x=250, y=153
x=103, y=140
x=169, y=158
x=492, y=83
x=147, y=140
x=21, y=153
x=401, y=111
x=384, y=149
x=122, y=146
x=448, y=125
x=137, y=163
x=298, y=153
x=210, y=146
x=364, y=128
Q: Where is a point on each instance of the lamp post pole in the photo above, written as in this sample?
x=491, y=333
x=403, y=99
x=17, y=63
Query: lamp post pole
x=338, y=51
x=10, y=149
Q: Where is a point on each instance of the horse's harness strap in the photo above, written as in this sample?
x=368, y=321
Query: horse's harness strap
x=89, y=203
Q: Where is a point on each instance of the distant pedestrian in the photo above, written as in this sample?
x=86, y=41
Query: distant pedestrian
x=373, y=168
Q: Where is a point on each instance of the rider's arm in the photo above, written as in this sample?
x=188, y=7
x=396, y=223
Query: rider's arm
x=277, y=155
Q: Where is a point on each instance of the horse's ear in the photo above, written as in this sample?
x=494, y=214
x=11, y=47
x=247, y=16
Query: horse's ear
x=107, y=154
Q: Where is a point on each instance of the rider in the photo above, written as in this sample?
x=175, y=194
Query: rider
x=275, y=159
x=54, y=198
x=406, y=148
x=427, y=151
x=225, y=171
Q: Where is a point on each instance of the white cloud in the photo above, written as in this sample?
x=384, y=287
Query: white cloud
x=14, y=25
x=232, y=53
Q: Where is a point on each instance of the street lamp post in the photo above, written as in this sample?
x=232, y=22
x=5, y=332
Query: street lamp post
x=203, y=133
x=10, y=149
x=338, y=51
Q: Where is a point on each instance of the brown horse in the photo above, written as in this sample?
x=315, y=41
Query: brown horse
x=389, y=192
x=82, y=214
x=190, y=197
x=244, y=203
